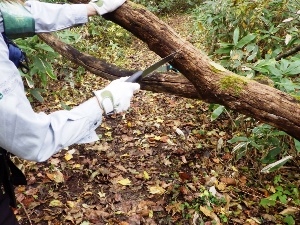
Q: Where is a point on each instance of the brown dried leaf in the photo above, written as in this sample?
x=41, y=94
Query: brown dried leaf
x=228, y=180
x=156, y=190
x=57, y=176
x=122, y=168
x=184, y=176
x=289, y=211
x=175, y=208
x=210, y=214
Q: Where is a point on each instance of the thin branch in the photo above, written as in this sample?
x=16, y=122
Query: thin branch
x=28, y=217
x=288, y=53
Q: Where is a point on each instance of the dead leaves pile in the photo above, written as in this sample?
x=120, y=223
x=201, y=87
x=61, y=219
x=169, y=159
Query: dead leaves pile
x=163, y=162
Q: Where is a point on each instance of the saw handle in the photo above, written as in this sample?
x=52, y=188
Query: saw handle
x=134, y=77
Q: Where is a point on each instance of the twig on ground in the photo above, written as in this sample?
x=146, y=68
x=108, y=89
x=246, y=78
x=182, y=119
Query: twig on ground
x=288, y=53
x=24, y=208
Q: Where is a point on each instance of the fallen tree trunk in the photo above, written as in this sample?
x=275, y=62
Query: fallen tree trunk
x=157, y=82
x=214, y=84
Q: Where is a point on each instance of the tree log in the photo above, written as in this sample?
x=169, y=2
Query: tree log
x=173, y=83
x=213, y=83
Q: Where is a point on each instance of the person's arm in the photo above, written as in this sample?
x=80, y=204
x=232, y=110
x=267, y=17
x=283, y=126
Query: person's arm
x=37, y=136
x=52, y=17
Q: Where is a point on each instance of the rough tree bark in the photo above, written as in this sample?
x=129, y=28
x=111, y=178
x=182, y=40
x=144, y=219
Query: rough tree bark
x=213, y=83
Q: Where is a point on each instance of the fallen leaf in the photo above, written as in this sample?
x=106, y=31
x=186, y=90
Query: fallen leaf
x=227, y=156
x=85, y=223
x=195, y=218
x=28, y=201
x=156, y=190
x=123, y=223
x=179, y=132
x=191, y=186
x=243, y=180
x=127, y=138
x=234, y=169
x=221, y=186
x=125, y=182
x=159, y=120
x=269, y=217
x=228, y=180
x=157, y=138
x=253, y=221
x=71, y=204
x=164, y=139
x=213, y=190
x=118, y=197
x=57, y=176
x=70, y=218
x=101, y=194
x=183, y=159
x=183, y=190
x=167, y=162
x=146, y=175
x=288, y=38
x=216, y=160
x=175, y=208
x=76, y=166
x=108, y=134
x=289, y=211
x=288, y=20
x=124, y=155
x=32, y=191
x=184, y=176
x=122, y=168
x=210, y=181
x=54, y=161
x=86, y=206
x=227, y=198
x=210, y=214
x=205, y=211
x=150, y=214
x=68, y=156
x=56, y=203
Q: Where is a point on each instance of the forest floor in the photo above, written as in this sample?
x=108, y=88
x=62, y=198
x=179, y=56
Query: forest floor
x=162, y=162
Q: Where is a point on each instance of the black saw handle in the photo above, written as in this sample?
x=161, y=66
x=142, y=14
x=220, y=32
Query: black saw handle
x=135, y=77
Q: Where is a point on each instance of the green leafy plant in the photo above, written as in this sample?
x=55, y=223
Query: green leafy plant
x=246, y=37
x=285, y=193
x=239, y=51
x=289, y=220
x=218, y=110
x=263, y=138
x=41, y=56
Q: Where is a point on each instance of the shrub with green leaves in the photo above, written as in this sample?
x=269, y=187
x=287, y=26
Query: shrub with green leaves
x=246, y=37
x=271, y=21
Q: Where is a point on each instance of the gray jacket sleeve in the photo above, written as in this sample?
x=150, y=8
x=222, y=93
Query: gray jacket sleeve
x=52, y=17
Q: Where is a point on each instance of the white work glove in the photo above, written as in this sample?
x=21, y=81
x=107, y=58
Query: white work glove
x=106, y=6
x=116, y=96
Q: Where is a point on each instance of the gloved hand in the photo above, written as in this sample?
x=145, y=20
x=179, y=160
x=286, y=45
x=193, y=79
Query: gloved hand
x=106, y=6
x=116, y=96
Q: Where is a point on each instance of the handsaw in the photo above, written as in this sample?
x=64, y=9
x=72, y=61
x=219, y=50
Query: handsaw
x=142, y=73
